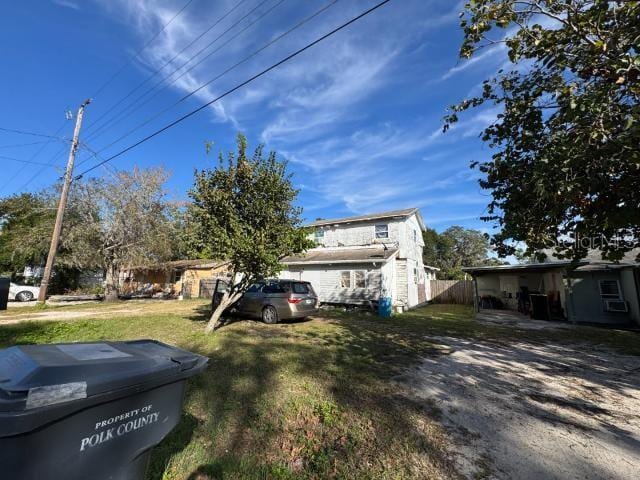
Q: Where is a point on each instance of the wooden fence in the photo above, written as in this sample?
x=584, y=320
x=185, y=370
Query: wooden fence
x=452, y=291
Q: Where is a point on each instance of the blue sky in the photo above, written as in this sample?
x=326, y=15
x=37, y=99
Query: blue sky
x=358, y=117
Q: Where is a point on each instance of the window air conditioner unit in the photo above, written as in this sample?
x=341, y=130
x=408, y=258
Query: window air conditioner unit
x=616, y=306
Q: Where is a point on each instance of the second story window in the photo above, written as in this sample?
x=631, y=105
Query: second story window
x=415, y=236
x=319, y=234
x=382, y=230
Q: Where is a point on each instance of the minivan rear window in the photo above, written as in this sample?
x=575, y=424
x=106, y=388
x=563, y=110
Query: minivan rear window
x=274, y=288
x=300, y=288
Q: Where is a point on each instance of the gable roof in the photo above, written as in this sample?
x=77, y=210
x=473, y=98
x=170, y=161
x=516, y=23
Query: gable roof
x=404, y=213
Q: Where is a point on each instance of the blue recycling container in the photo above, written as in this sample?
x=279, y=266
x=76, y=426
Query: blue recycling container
x=384, y=307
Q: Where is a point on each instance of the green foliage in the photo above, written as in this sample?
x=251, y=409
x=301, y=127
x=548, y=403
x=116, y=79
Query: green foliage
x=453, y=249
x=26, y=222
x=126, y=220
x=110, y=223
x=566, y=161
x=243, y=211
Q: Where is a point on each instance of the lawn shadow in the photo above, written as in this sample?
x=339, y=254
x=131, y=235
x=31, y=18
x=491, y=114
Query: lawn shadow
x=24, y=333
x=171, y=445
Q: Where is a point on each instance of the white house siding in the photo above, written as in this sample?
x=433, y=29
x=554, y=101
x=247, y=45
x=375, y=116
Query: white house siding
x=402, y=296
x=326, y=282
x=404, y=233
x=357, y=235
x=389, y=275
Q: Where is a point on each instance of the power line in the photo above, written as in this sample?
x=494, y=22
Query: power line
x=50, y=138
x=25, y=161
x=16, y=145
x=131, y=92
x=33, y=134
x=126, y=64
x=237, y=87
x=113, y=119
x=234, y=66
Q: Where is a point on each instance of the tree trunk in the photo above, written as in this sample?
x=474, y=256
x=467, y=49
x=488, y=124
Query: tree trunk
x=111, y=287
x=216, y=316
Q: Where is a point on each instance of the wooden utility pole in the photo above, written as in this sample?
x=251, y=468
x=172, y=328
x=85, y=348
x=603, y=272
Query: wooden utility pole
x=68, y=176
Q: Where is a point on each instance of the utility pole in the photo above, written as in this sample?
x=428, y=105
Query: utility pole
x=68, y=176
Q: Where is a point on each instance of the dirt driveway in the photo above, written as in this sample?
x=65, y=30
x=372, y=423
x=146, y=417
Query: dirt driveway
x=537, y=411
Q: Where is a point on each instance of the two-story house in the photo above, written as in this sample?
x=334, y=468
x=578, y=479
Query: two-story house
x=360, y=259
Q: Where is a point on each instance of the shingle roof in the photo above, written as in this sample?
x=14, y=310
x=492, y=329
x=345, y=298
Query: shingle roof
x=342, y=255
x=371, y=216
x=195, y=263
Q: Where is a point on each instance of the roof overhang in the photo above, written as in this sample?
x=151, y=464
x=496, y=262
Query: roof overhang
x=532, y=267
x=348, y=258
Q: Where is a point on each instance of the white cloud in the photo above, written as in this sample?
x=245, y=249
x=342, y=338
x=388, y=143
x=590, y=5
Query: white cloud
x=314, y=110
x=492, y=56
x=67, y=4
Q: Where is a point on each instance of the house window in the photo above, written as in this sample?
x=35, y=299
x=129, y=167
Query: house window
x=382, y=230
x=177, y=276
x=415, y=275
x=360, y=279
x=345, y=279
x=319, y=234
x=415, y=236
x=610, y=289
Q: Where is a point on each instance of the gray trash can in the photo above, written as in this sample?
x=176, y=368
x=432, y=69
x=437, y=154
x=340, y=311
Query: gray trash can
x=89, y=410
x=4, y=292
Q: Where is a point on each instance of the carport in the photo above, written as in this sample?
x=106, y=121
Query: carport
x=536, y=290
x=588, y=291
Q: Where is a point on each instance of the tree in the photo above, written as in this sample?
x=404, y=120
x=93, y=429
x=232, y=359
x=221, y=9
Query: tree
x=455, y=248
x=26, y=221
x=464, y=248
x=566, y=163
x=124, y=221
x=430, y=252
x=243, y=212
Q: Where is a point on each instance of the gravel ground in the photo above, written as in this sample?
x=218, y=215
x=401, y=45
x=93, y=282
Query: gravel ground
x=536, y=411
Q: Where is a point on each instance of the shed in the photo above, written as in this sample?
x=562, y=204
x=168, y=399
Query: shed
x=179, y=277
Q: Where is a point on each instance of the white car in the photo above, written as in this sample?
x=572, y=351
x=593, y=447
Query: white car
x=23, y=293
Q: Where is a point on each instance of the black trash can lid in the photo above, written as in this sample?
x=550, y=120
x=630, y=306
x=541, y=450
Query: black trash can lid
x=35, y=376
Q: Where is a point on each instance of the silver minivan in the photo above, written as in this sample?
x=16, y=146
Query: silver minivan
x=275, y=300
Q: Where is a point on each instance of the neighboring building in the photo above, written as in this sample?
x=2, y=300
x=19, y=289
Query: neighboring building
x=181, y=277
x=360, y=259
x=589, y=291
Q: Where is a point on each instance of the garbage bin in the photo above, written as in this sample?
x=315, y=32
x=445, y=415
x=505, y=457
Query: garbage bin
x=89, y=410
x=4, y=292
x=384, y=307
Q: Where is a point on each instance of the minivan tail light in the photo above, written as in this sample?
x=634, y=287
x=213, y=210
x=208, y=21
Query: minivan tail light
x=294, y=300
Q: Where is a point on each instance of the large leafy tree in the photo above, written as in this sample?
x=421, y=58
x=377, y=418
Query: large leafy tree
x=566, y=161
x=129, y=223
x=110, y=224
x=243, y=212
x=455, y=248
x=26, y=221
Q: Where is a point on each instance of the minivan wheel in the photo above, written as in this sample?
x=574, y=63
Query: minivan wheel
x=269, y=315
x=24, y=296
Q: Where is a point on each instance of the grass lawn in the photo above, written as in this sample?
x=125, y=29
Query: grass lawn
x=315, y=399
